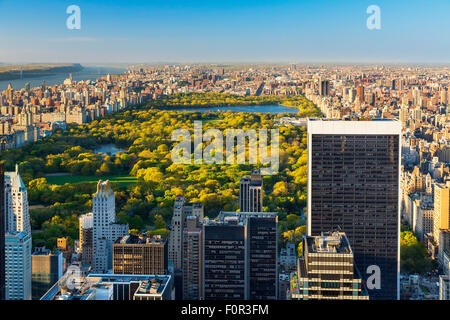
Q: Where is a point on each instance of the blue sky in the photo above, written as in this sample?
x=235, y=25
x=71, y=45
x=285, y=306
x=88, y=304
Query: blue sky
x=412, y=31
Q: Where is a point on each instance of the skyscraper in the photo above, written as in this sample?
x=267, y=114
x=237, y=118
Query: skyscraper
x=18, y=215
x=104, y=229
x=140, y=255
x=18, y=266
x=262, y=255
x=353, y=185
x=324, y=87
x=327, y=271
x=2, y=232
x=17, y=238
x=360, y=93
x=240, y=256
x=181, y=210
x=86, y=223
x=192, y=259
x=441, y=216
x=224, y=270
x=46, y=269
x=251, y=193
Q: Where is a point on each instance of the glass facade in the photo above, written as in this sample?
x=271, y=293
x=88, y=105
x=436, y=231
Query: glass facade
x=263, y=276
x=224, y=262
x=355, y=187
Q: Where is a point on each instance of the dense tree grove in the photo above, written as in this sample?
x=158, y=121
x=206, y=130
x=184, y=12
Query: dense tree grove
x=144, y=133
x=413, y=254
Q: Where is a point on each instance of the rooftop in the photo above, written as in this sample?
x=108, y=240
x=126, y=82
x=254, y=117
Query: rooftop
x=98, y=286
x=133, y=239
x=239, y=217
x=336, y=127
x=151, y=287
x=329, y=242
x=16, y=180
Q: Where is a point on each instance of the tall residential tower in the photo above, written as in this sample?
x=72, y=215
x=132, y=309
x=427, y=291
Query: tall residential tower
x=251, y=193
x=104, y=229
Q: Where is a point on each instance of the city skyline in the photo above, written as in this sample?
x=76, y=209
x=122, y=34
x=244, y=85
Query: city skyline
x=116, y=184
x=344, y=170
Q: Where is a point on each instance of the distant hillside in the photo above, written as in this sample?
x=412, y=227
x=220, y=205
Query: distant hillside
x=36, y=70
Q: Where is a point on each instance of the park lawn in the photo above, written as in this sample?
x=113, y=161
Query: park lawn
x=120, y=179
x=211, y=121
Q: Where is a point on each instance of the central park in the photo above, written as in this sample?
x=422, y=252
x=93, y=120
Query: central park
x=61, y=171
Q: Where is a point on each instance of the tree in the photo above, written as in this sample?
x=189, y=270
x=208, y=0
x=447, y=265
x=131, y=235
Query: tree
x=300, y=249
x=414, y=257
x=159, y=222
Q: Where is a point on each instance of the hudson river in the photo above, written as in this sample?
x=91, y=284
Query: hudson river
x=88, y=73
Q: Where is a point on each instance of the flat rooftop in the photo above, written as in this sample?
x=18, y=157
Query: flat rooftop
x=343, y=127
x=133, y=239
x=85, y=286
x=329, y=242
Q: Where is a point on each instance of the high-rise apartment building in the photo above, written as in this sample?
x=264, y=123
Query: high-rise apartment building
x=192, y=259
x=360, y=93
x=104, y=228
x=46, y=269
x=140, y=255
x=181, y=210
x=327, y=270
x=86, y=223
x=2, y=232
x=251, y=193
x=324, y=88
x=441, y=217
x=18, y=216
x=404, y=114
x=18, y=266
x=353, y=185
x=176, y=229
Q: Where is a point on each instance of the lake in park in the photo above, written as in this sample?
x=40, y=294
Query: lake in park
x=110, y=149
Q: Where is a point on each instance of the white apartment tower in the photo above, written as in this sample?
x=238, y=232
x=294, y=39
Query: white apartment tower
x=18, y=217
x=104, y=229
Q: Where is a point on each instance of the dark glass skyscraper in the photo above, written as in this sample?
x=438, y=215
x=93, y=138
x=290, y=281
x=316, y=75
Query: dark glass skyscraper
x=353, y=185
x=224, y=261
x=240, y=256
x=262, y=256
